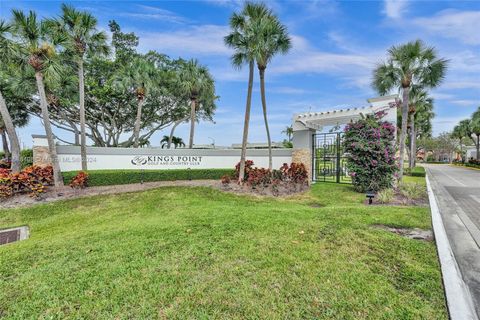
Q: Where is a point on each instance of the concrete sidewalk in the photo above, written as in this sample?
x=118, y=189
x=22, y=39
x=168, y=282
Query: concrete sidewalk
x=457, y=191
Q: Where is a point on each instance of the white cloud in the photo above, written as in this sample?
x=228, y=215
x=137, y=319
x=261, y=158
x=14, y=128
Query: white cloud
x=194, y=40
x=394, y=9
x=156, y=13
x=465, y=102
x=461, y=25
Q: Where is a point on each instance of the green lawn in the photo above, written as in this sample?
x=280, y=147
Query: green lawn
x=197, y=253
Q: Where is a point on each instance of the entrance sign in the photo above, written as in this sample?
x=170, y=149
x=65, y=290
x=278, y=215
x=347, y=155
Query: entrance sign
x=100, y=158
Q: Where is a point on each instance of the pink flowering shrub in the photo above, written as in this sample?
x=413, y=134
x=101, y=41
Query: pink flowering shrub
x=370, y=146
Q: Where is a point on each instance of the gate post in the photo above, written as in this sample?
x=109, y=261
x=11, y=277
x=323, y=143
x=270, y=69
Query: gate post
x=302, y=141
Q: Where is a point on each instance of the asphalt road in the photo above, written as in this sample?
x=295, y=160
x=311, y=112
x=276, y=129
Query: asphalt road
x=457, y=191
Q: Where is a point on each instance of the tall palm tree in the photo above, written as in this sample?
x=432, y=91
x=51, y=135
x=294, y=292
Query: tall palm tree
x=6, y=50
x=418, y=101
x=271, y=38
x=79, y=29
x=461, y=131
x=37, y=50
x=475, y=130
x=194, y=79
x=241, y=39
x=139, y=76
x=407, y=65
x=289, y=132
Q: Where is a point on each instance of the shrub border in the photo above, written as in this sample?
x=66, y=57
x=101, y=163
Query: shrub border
x=118, y=177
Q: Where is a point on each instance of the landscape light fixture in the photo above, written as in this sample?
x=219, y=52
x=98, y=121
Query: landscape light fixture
x=370, y=195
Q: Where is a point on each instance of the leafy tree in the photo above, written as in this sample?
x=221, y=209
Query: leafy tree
x=7, y=48
x=240, y=39
x=460, y=132
x=270, y=38
x=411, y=64
x=37, y=50
x=195, y=80
x=139, y=77
x=79, y=29
x=475, y=130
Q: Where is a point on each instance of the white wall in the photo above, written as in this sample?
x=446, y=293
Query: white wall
x=152, y=158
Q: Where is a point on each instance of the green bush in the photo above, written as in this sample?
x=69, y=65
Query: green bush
x=2, y=154
x=412, y=191
x=385, y=195
x=114, y=177
x=417, y=172
x=26, y=158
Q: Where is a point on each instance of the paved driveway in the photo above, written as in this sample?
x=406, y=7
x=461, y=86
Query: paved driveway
x=457, y=191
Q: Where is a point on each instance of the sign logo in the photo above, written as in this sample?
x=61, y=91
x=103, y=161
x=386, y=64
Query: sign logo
x=139, y=161
x=166, y=160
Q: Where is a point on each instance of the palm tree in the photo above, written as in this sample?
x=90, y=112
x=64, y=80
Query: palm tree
x=461, y=131
x=418, y=101
x=6, y=50
x=475, y=130
x=39, y=53
x=289, y=132
x=167, y=140
x=82, y=38
x=411, y=64
x=139, y=76
x=271, y=37
x=241, y=39
x=194, y=79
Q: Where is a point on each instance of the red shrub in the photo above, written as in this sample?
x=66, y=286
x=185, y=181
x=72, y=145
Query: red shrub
x=248, y=167
x=31, y=180
x=296, y=173
x=258, y=177
x=226, y=179
x=80, y=181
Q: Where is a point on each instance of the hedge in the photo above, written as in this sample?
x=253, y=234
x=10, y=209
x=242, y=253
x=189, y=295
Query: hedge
x=115, y=177
x=467, y=164
x=418, y=172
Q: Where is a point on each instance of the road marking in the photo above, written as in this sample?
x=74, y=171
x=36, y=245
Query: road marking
x=475, y=198
x=452, y=178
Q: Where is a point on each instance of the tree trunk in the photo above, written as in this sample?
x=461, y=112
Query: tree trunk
x=478, y=147
x=243, y=155
x=12, y=135
x=83, y=138
x=57, y=175
x=403, y=133
x=413, y=135
x=175, y=125
x=192, y=123
x=264, y=107
x=137, y=123
x=6, y=149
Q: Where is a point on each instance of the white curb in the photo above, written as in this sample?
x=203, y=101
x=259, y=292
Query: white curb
x=459, y=301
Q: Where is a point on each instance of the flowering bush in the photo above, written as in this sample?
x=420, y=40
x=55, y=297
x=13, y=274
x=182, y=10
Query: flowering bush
x=80, y=181
x=370, y=147
x=33, y=180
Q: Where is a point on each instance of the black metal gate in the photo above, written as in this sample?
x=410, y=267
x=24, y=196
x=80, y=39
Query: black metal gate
x=329, y=161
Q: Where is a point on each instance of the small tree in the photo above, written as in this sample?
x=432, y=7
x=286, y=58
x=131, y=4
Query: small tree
x=370, y=145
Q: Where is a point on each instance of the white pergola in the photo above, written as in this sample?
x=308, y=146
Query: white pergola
x=319, y=120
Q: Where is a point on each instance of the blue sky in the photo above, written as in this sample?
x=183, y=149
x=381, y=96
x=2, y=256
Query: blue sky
x=336, y=44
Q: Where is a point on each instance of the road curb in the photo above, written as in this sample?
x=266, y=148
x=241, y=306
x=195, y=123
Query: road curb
x=459, y=301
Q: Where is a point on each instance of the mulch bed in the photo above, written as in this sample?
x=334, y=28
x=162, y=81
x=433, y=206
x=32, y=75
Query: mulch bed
x=66, y=192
